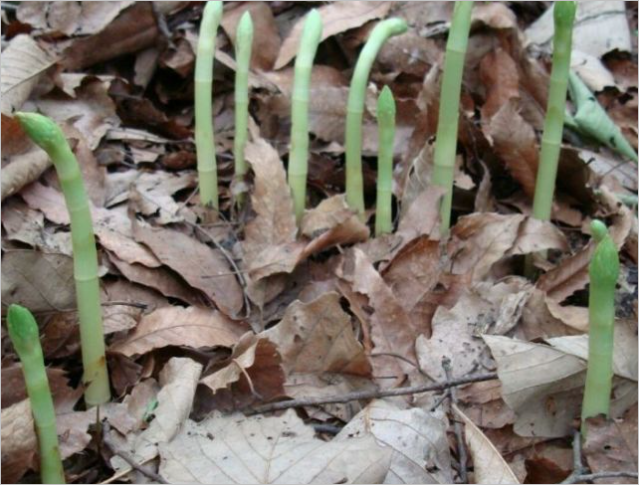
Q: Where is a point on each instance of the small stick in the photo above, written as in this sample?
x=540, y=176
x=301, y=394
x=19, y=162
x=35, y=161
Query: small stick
x=459, y=430
x=370, y=394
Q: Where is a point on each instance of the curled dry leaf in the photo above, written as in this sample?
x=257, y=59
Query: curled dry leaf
x=19, y=441
x=23, y=170
x=201, y=266
x=189, y=327
x=417, y=440
x=178, y=381
x=544, y=317
x=253, y=372
x=488, y=465
x=337, y=17
x=282, y=449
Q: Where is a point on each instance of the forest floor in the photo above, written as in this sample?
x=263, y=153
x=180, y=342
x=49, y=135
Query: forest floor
x=246, y=350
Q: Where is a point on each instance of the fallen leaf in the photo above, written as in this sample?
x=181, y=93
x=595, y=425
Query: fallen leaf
x=610, y=445
x=23, y=170
x=38, y=281
x=253, y=373
x=420, y=451
x=178, y=381
x=19, y=441
x=544, y=317
x=392, y=330
x=129, y=415
x=498, y=73
x=482, y=403
x=178, y=326
x=282, y=449
x=337, y=17
x=201, y=266
x=23, y=61
x=544, y=386
x=488, y=465
x=154, y=192
x=480, y=240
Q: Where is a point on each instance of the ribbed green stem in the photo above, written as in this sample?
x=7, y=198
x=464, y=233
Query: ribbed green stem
x=554, y=123
x=45, y=133
x=386, y=127
x=243, y=48
x=604, y=271
x=298, y=159
x=23, y=331
x=447, y=124
x=355, y=110
x=204, y=136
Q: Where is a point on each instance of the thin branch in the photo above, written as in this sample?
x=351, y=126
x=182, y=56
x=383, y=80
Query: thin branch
x=370, y=394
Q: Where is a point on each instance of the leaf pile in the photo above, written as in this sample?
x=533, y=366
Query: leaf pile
x=206, y=321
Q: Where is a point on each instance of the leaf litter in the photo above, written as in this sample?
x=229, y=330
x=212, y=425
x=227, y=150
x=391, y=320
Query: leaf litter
x=206, y=320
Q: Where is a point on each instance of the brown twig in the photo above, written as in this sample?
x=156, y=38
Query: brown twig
x=370, y=394
x=128, y=458
x=580, y=472
x=462, y=453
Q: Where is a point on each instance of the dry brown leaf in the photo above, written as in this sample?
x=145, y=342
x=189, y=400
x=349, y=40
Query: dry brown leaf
x=190, y=327
x=514, y=141
x=265, y=32
x=154, y=191
x=23, y=61
x=483, y=404
x=488, y=465
x=416, y=437
x=611, y=446
x=495, y=15
x=422, y=216
x=392, y=330
x=38, y=281
x=178, y=381
x=337, y=17
x=19, y=441
x=23, y=170
x=278, y=449
x=544, y=317
x=481, y=240
x=254, y=372
x=128, y=416
x=498, y=72
x=201, y=266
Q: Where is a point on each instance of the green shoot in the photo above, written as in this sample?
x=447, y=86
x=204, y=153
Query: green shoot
x=447, y=124
x=243, y=47
x=604, y=271
x=298, y=161
x=23, y=331
x=204, y=136
x=554, y=123
x=355, y=110
x=45, y=133
x=386, y=127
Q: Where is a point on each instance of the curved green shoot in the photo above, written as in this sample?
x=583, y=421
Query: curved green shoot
x=298, y=160
x=355, y=110
x=604, y=271
x=23, y=331
x=243, y=48
x=386, y=127
x=447, y=124
x=204, y=135
x=46, y=134
x=564, y=15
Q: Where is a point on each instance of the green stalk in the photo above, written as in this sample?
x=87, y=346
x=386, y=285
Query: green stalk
x=243, y=47
x=554, y=123
x=46, y=134
x=447, y=124
x=355, y=110
x=604, y=271
x=23, y=331
x=204, y=136
x=298, y=161
x=386, y=127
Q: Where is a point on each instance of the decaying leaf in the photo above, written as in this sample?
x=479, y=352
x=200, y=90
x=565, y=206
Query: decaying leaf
x=191, y=327
x=19, y=441
x=282, y=449
x=417, y=439
x=488, y=464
